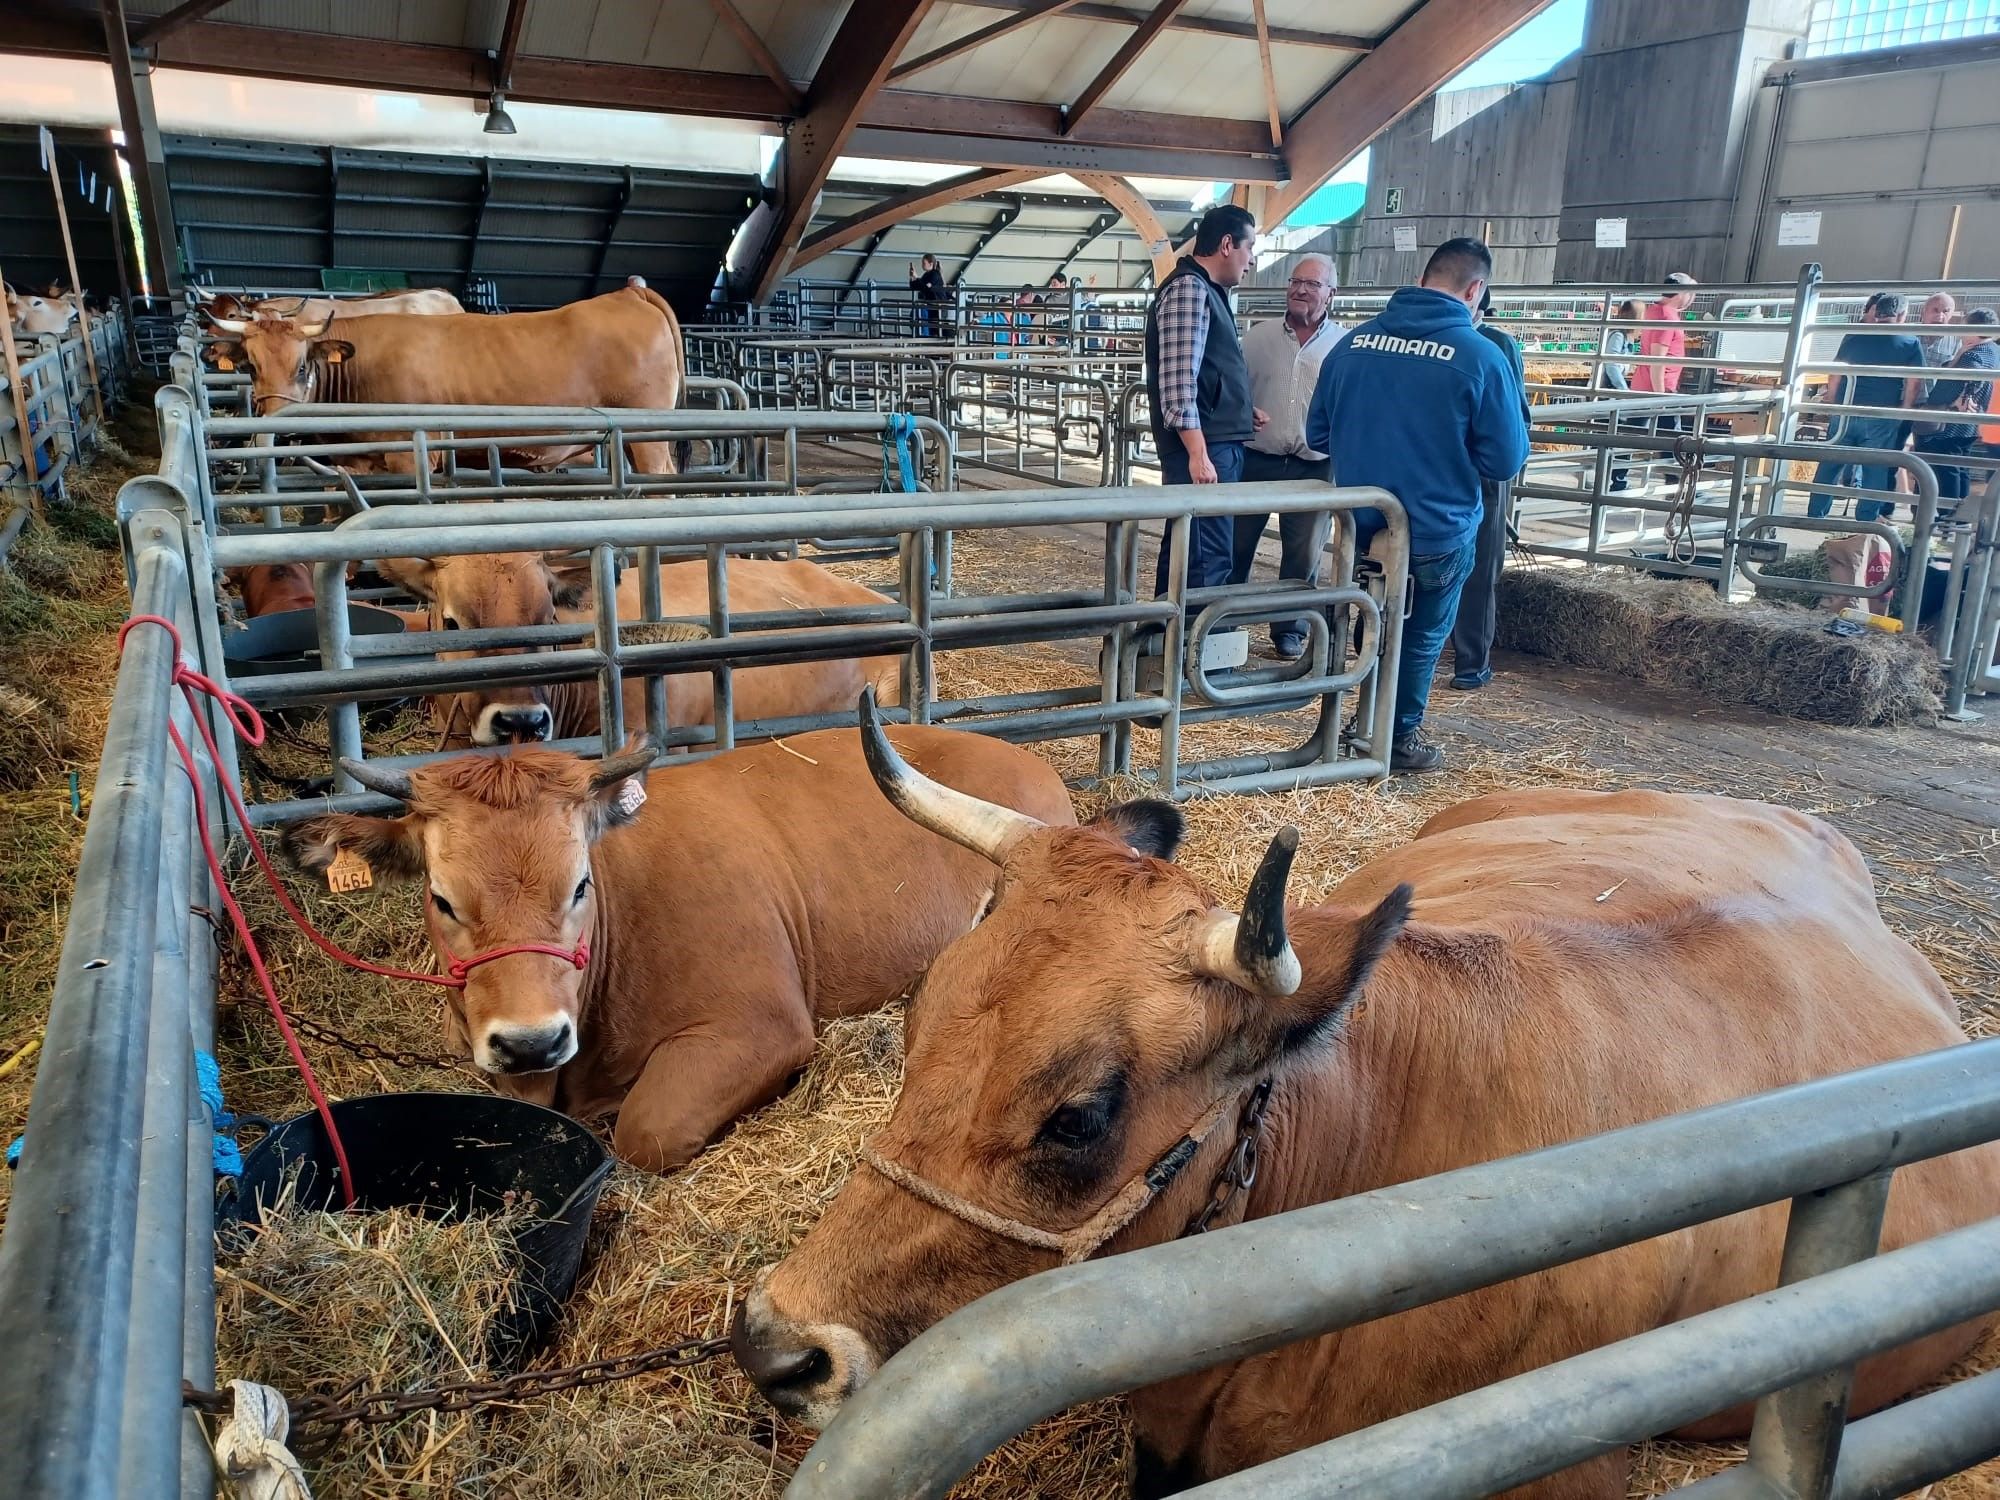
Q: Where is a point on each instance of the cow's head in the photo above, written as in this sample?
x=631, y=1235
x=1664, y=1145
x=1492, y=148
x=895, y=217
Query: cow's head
x=34, y=315
x=503, y=844
x=286, y=357
x=1105, y=1012
x=491, y=591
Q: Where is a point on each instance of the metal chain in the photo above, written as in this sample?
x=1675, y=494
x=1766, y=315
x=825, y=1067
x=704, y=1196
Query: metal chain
x=376, y=1407
x=1240, y=1174
x=1681, y=545
x=319, y=1031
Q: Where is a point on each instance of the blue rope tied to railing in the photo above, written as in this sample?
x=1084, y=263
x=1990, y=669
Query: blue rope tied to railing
x=226, y=1155
x=899, y=438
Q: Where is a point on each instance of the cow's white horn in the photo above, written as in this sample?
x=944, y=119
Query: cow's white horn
x=378, y=778
x=983, y=827
x=1253, y=950
x=230, y=325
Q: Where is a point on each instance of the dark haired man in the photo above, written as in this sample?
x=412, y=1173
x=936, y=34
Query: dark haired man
x=1416, y=401
x=1858, y=430
x=1197, y=382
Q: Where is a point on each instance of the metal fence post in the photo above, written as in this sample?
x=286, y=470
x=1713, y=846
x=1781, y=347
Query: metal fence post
x=1795, y=1438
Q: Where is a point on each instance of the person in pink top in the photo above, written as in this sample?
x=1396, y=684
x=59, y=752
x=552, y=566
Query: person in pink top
x=1667, y=341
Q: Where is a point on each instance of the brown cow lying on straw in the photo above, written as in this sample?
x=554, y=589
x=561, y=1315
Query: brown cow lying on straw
x=751, y=895
x=1535, y=967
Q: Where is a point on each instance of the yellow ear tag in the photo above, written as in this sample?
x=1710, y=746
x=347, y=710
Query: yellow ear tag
x=334, y=356
x=348, y=872
x=225, y=364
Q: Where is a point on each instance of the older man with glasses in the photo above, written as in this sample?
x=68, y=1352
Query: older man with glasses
x=1284, y=355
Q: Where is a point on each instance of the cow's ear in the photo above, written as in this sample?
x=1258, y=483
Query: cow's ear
x=1267, y=1029
x=333, y=351
x=1150, y=826
x=618, y=786
x=416, y=574
x=391, y=846
x=569, y=579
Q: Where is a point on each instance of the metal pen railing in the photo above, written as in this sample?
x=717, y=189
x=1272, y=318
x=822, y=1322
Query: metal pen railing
x=1029, y=1350
x=64, y=413
x=1116, y=617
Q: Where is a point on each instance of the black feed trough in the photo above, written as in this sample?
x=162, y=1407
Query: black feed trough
x=446, y=1155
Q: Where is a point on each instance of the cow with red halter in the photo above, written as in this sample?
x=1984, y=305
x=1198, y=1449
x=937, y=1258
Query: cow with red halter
x=664, y=953
x=1073, y=1063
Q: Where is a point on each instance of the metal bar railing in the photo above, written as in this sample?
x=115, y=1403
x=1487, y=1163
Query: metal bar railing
x=919, y=623
x=104, y=1265
x=989, y=1371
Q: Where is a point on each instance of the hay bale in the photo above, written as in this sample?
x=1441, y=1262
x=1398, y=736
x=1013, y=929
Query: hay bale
x=1681, y=635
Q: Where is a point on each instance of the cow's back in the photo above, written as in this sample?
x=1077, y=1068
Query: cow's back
x=793, y=844
x=620, y=349
x=1578, y=962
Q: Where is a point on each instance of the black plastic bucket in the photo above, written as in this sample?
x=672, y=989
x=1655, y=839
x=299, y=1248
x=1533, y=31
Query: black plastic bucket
x=288, y=641
x=449, y=1155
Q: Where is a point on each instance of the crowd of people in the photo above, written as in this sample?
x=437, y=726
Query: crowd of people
x=1428, y=401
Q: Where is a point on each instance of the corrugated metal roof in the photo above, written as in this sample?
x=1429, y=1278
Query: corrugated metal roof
x=267, y=214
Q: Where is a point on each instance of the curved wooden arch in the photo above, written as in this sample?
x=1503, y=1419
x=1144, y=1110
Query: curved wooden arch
x=892, y=211
x=1129, y=201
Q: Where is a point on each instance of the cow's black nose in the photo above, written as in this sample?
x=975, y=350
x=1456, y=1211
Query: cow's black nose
x=530, y=723
x=530, y=1051
x=787, y=1373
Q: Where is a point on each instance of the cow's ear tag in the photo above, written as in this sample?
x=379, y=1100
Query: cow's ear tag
x=225, y=364
x=348, y=872
x=334, y=356
x=631, y=797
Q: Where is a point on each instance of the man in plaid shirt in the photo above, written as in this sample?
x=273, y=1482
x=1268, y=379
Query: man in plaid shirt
x=1198, y=383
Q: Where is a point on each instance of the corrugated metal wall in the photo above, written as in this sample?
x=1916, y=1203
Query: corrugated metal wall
x=1883, y=158
x=544, y=233
x=31, y=251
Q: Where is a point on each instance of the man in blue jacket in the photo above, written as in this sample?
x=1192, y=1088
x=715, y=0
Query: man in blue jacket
x=1420, y=404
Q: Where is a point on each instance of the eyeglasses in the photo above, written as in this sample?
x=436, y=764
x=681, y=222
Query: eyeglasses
x=1308, y=283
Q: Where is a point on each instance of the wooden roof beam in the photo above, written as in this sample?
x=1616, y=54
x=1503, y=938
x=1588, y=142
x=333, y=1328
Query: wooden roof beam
x=1120, y=64
x=1039, y=10
x=1290, y=36
x=510, y=43
x=1138, y=212
x=857, y=62
x=1406, y=68
x=165, y=25
x=766, y=60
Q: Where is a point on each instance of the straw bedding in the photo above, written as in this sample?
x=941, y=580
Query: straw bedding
x=318, y=1301
x=1771, y=657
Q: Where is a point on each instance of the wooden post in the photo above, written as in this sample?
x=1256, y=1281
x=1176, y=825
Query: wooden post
x=76, y=284
x=1951, y=240
x=15, y=384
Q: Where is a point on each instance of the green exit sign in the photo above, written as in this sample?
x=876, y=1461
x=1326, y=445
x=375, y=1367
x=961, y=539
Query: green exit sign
x=1393, y=203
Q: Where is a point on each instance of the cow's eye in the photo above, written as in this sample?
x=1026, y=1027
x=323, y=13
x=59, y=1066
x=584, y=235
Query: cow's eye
x=1080, y=1124
x=450, y=623
x=582, y=888
x=443, y=907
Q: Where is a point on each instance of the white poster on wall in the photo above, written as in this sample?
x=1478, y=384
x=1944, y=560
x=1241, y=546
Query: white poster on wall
x=1406, y=239
x=1799, y=229
x=1611, y=234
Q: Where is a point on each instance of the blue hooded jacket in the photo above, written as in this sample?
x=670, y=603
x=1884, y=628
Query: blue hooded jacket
x=1416, y=401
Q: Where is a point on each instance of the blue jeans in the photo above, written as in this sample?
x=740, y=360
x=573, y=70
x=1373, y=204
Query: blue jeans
x=1436, y=580
x=1209, y=549
x=1861, y=432
x=1302, y=534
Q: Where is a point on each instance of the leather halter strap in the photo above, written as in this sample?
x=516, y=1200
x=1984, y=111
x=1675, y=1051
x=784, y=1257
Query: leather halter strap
x=1087, y=1238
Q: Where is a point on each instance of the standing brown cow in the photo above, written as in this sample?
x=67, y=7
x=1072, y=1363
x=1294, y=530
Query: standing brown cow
x=1105, y=1005
x=751, y=895
x=620, y=349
